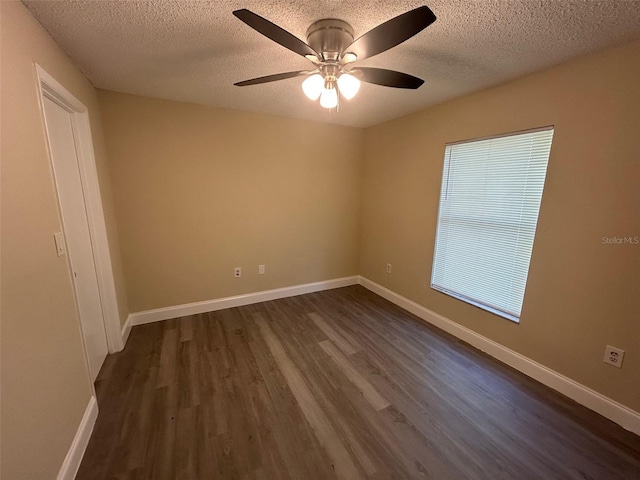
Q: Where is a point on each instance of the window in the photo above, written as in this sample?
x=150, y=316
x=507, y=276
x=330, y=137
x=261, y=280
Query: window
x=489, y=203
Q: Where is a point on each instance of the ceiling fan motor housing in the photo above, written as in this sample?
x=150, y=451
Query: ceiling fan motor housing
x=330, y=37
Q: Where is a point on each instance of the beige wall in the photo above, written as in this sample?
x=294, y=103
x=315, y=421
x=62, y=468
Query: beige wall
x=45, y=384
x=200, y=190
x=581, y=294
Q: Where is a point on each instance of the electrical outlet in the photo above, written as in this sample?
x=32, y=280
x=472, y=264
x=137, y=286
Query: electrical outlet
x=237, y=272
x=388, y=268
x=261, y=269
x=613, y=356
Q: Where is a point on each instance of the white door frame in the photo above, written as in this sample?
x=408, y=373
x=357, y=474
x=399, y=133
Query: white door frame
x=52, y=89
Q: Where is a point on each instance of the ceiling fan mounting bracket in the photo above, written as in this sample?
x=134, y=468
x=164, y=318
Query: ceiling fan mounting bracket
x=330, y=37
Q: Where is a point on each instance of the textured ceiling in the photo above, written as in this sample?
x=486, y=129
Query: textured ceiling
x=193, y=51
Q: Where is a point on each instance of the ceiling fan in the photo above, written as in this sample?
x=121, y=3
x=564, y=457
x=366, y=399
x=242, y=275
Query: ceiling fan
x=331, y=48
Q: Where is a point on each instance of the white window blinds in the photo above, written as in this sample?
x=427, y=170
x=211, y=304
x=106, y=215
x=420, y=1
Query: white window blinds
x=489, y=203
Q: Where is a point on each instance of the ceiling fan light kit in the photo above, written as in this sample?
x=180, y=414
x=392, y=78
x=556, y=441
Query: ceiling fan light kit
x=330, y=37
x=331, y=48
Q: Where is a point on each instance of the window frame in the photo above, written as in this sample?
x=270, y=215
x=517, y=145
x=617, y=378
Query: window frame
x=446, y=162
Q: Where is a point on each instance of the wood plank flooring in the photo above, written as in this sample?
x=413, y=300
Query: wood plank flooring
x=334, y=385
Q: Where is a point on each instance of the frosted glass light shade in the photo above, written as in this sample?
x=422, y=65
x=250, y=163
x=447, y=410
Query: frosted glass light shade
x=329, y=98
x=312, y=86
x=348, y=85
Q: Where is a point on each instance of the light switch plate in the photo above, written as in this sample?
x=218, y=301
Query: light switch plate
x=60, y=245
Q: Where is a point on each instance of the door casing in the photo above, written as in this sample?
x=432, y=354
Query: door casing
x=51, y=88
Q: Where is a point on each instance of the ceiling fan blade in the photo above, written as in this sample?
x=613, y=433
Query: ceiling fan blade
x=392, y=32
x=388, y=78
x=273, y=78
x=275, y=33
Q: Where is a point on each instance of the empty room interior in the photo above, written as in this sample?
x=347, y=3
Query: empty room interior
x=320, y=240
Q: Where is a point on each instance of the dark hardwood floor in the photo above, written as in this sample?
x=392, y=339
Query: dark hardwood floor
x=334, y=385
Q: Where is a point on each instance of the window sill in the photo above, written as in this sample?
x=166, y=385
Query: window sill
x=477, y=304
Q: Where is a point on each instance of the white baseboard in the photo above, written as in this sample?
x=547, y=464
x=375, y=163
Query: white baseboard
x=167, y=313
x=620, y=414
x=126, y=330
x=81, y=440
